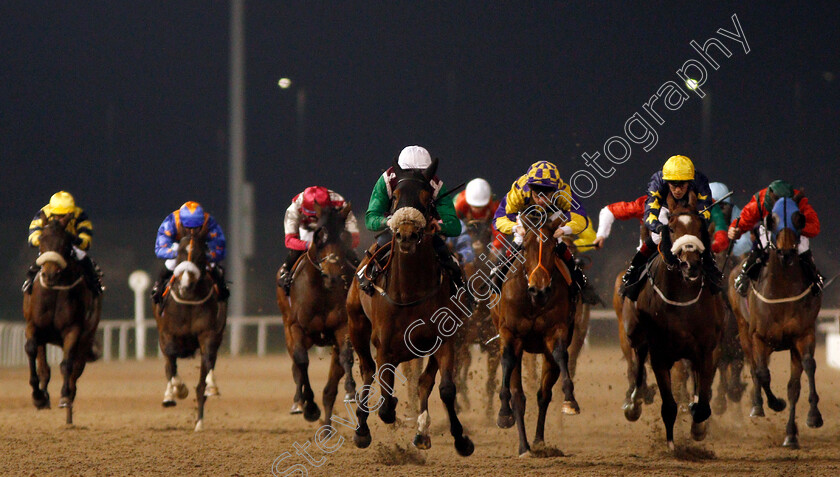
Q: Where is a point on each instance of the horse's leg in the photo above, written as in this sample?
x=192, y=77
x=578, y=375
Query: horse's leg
x=793, y=389
x=331, y=388
x=561, y=356
x=425, y=383
x=704, y=376
x=806, y=346
x=462, y=369
x=761, y=353
x=668, y=411
x=297, y=407
x=550, y=373
x=736, y=385
x=679, y=383
x=360, y=330
x=509, y=362
x=633, y=409
x=44, y=373
x=579, y=337
x=209, y=346
x=724, y=383
x=517, y=401
x=446, y=360
x=68, y=390
x=757, y=399
x=345, y=358
x=300, y=359
x=411, y=370
x=39, y=395
x=386, y=371
x=493, y=360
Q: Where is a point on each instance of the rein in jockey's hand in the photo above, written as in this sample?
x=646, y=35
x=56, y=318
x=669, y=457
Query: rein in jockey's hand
x=733, y=233
x=599, y=242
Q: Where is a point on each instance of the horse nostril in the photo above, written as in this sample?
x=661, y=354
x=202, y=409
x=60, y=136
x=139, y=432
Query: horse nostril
x=532, y=291
x=548, y=290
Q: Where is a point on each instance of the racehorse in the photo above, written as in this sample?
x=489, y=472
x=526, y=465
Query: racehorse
x=61, y=310
x=676, y=317
x=315, y=313
x=780, y=313
x=731, y=359
x=191, y=318
x=535, y=314
x=409, y=316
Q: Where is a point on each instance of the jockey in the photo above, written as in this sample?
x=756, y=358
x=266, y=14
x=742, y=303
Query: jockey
x=759, y=207
x=412, y=157
x=541, y=186
x=476, y=202
x=677, y=178
x=79, y=226
x=300, y=223
x=620, y=211
x=723, y=213
x=190, y=216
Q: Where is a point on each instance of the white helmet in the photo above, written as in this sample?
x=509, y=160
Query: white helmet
x=414, y=157
x=478, y=193
x=719, y=190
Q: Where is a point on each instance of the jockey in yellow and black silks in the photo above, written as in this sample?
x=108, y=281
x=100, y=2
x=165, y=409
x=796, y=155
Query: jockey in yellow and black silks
x=541, y=186
x=79, y=226
x=676, y=179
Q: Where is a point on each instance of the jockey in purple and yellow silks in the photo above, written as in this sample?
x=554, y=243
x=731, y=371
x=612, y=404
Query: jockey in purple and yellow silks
x=190, y=216
x=541, y=186
x=676, y=179
x=79, y=226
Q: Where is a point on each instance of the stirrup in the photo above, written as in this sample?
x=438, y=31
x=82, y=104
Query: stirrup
x=742, y=284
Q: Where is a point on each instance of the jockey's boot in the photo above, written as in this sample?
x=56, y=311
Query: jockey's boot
x=631, y=283
x=579, y=282
x=30, y=277
x=160, y=285
x=749, y=271
x=450, y=264
x=92, y=274
x=285, y=278
x=811, y=272
x=218, y=275
x=369, y=271
x=711, y=271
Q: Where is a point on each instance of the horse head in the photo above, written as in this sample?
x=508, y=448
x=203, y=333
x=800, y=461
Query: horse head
x=538, y=246
x=55, y=247
x=191, y=261
x=785, y=223
x=687, y=234
x=411, y=212
x=481, y=234
x=329, y=244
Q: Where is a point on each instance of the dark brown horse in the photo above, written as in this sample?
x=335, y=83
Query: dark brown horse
x=676, y=317
x=411, y=315
x=535, y=315
x=780, y=313
x=731, y=358
x=61, y=310
x=315, y=313
x=191, y=318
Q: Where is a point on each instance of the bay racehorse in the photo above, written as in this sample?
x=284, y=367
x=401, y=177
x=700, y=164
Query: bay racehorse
x=315, y=313
x=780, y=313
x=731, y=358
x=535, y=314
x=191, y=318
x=676, y=317
x=60, y=310
x=410, y=315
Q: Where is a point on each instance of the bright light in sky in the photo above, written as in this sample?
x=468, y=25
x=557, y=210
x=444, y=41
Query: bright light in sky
x=692, y=84
x=284, y=83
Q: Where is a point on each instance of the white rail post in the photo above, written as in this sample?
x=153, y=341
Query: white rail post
x=139, y=281
x=262, y=335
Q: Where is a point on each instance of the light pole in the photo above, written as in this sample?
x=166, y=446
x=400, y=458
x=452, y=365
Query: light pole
x=706, y=131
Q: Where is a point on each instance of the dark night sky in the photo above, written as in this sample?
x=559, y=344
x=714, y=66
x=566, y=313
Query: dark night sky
x=125, y=104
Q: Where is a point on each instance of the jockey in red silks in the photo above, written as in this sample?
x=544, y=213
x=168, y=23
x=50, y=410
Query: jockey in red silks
x=300, y=222
x=476, y=202
x=806, y=221
x=620, y=211
x=190, y=216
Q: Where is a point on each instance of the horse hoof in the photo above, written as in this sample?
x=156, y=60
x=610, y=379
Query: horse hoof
x=671, y=446
x=757, y=411
x=815, y=420
x=296, y=409
x=350, y=398
x=650, y=395
x=525, y=455
x=388, y=416
x=424, y=442
x=210, y=391
x=168, y=403
x=571, y=408
x=791, y=442
x=632, y=411
x=719, y=406
x=311, y=412
x=464, y=446
x=698, y=431
x=700, y=411
x=182, y=391
x=505, y=422
x=42, y=402
x=65, y=402
x=778, y=405
x=362, y=441
x=199, y=426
